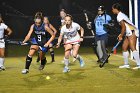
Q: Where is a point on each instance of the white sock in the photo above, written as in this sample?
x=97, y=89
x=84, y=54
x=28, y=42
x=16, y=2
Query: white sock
x=78, y=57
x=136, y=57
x=66, y=62
x=1, y=61
x=71, y=52
x=125, y=56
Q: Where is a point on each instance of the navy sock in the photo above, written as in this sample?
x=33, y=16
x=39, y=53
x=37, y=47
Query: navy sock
x=28, y=62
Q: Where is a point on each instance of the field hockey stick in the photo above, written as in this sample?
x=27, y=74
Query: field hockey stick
x=88, y=23
x=101, y=65
x=17, y=42
x=70, y=42
x=89, y=26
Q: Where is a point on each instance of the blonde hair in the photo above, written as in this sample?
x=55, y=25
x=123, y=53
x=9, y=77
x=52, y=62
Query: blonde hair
x=47, y=19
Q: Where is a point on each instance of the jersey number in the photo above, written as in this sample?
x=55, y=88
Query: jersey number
x=99, y=23
x=39, y=37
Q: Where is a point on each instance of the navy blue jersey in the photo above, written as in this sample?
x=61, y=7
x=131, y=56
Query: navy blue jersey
x=40, y=34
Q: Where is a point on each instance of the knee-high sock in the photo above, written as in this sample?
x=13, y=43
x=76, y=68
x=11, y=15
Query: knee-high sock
x=28, y=62
x=66, y=62
x=79, y=57
x=136, y=57
x=1, y=61
x=43, y=61
x=52, y=55
x=125, y=56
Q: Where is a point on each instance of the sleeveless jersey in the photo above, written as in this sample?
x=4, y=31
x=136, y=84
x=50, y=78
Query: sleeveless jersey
x=40, y=34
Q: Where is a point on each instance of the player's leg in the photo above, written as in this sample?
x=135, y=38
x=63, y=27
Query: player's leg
x=99, y=50
x=125, y=53
x=132, y=43
x=43, y=60
x=51, y=52
x=64, y=41
x=76, y=55
x=104, y=42
x=32, y=50
x=68, y=48
x=42, y=57
x=38, y=58
x=2, y=51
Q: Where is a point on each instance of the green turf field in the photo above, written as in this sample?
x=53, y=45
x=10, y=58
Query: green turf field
x=90, y=79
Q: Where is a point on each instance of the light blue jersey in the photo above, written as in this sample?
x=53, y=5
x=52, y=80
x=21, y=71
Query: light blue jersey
x=99, y=22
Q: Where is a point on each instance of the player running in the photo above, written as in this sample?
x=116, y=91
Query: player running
x=63, y=14
x=3, y=28
x=70, y=30
x=131, y=34
x=40, y=41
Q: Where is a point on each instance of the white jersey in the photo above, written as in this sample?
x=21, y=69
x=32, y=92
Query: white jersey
x=2, y=28
x=129, y=25
x=71, y=33
x=62, y=22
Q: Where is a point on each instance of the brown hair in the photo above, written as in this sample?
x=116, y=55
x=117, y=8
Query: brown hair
x=68, y=15
x=63, y=10
x=1, y=21
x=38, y=15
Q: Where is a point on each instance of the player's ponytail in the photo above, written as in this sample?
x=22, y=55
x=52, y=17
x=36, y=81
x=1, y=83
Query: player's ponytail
x=1, y=21
x=38, y=15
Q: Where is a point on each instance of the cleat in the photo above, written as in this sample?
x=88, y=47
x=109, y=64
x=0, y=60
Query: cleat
x=53, y=61
x=2, y=68
x=66, y=69
x=124, y=66
x=25, y=71
x=41, y=67
x=82, y=63
x=137, y=67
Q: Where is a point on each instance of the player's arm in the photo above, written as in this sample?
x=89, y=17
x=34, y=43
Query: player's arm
x=29, y=34
x=52, y=27
x=123, y=30
x=81, y=33
x=9, y=31
x=52, y=36
x=59, y=39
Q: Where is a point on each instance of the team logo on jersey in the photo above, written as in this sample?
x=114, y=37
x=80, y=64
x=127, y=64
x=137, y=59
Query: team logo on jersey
x=40, y=32
x=71, y=34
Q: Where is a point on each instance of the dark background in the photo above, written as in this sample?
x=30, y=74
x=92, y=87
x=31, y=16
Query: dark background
x=18, y=14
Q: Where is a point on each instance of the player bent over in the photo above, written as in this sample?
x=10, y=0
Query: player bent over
x=46, y=22
x=70, y=30
x=40, y=41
